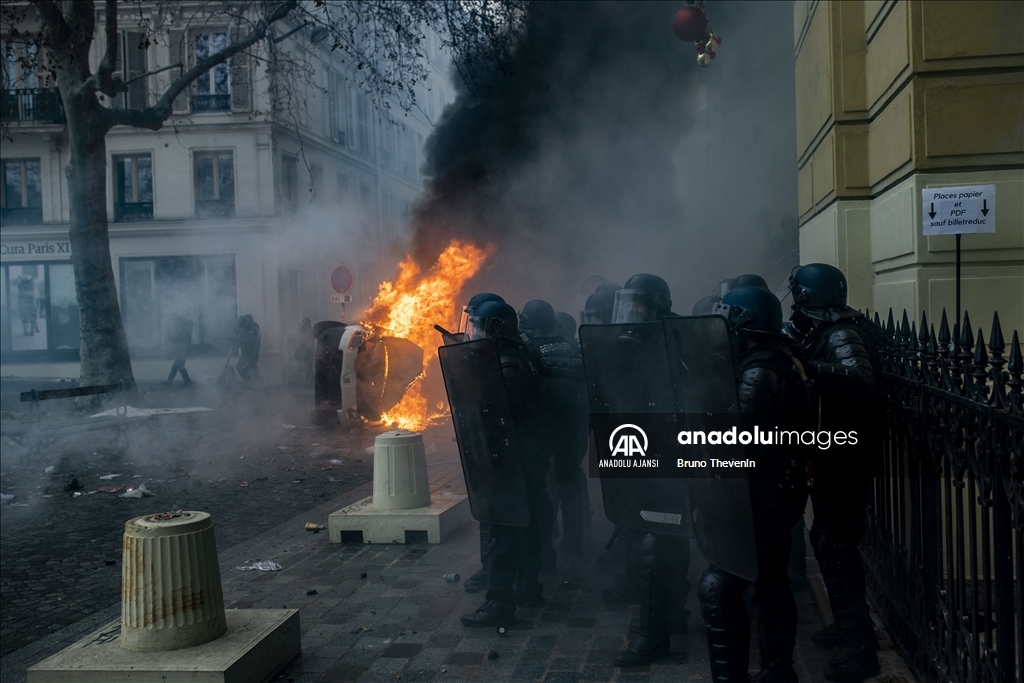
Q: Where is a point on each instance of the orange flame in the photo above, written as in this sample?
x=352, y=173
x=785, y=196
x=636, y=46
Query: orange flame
x=411, y=306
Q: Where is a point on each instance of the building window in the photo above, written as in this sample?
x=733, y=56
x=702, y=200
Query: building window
x=22, y=192
x=364, y=126
x=155, y=290
x=289, y=183
x=215, y=184
x=39, y=311
x=133, y=187
x=342, y=188
x=340, y=119
x=213, y=88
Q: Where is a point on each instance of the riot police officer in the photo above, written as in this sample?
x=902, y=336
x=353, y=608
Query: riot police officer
x=839, y=350
x=514, y=560
x=565, y=325
x=598, y=308
x=770, y=393
x=561, y=369
x=705, y=305
x=478, y=581
x=664, y=558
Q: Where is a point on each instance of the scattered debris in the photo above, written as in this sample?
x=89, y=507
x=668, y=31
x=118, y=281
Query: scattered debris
x=108, y=477
x=492, y=655
x=362, y=629
x=363, y=575
x=52, y=469
x=244, y=484
x=110, y=489
x=110, y=563
x=261, y=566
x=139, y=492
x=288, y=426
x=452, y=577
x=6, y=498
x=222, y=480
x=311, y=591
x=335, y=461
x=369, y=450
x=73, y=485
x=312, y=526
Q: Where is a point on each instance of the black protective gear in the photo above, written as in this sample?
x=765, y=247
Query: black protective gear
x=848, y=370
x=750, y=280
x=650, y=641
x=644, y=298
x=491, y=320
x=478, y=581
x=706, y=305
x=475, y=302
x=751, y=309
x=727, y=625
x=598, y=308
x=565, y=325
x=492, y=613
x=537, y=318
x=817, y=287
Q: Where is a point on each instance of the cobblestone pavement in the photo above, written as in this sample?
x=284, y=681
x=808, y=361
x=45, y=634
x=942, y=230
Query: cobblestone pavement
x=384, y=612
x=60, y=552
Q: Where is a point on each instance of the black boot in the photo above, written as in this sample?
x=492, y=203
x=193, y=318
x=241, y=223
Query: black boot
x=650, y=640
x=843, y=572
x=478, y=582
x=491, y=613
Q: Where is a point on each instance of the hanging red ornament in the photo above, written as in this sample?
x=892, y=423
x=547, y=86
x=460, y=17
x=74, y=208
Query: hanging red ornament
x=689, y=24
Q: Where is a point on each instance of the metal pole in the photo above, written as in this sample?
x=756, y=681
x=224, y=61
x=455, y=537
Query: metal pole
x=958, y=319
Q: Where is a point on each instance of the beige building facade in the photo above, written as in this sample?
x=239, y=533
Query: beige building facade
x=894, y=97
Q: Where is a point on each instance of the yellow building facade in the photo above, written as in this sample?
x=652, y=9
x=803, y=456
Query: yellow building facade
x=894, y=97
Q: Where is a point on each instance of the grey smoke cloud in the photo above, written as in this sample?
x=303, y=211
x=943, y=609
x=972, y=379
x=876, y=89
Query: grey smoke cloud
x=606, y=149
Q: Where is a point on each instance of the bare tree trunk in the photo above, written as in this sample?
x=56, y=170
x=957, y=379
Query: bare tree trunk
x=104, y=350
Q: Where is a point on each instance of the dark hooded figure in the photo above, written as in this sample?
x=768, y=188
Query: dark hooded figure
x=247, y=341
x=179, y=343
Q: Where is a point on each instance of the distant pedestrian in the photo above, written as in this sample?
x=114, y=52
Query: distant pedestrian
x=247, y=342
x=179, y=343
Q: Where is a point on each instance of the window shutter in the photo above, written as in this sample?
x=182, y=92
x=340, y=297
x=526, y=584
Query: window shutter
x=135, y=57
x=241, y=95
x=332, y=118
x=179, y=52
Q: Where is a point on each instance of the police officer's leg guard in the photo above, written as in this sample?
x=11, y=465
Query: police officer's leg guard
x=650, y=641
x=570, y=495
x=625, y=588
x=500, y=607
x=478, y=581
x=726, y=623
x=843, y=572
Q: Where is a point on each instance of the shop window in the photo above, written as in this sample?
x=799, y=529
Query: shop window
x=133, y=188
x=39, y=312
x=22, y=199
x=201, y=288
x=215, y=184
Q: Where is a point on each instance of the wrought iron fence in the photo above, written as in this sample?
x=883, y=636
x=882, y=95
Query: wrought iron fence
x=31, y=105
x=945, y=544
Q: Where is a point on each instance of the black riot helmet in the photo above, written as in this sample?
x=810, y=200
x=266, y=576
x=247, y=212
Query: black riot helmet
x=751, y=309
x=598, y=309
x=750, y=280
x=475, y=302
x=644, y=298
x=816, y=288
x=493, y=319
x=706, y=305
x=537, y=317
x=565, y=325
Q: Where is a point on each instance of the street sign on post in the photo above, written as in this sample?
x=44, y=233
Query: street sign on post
x=342, y=279
x=963, y=210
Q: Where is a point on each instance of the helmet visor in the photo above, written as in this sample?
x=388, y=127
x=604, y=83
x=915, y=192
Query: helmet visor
x=635, y=306
x=594, y=316
x=484, y=328
x=464, y=321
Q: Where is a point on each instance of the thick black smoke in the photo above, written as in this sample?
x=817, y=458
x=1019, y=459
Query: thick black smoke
x=606, y=149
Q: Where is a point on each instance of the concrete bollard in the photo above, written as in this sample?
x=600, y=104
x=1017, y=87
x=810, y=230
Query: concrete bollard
x=400, y=471
x=171, y=594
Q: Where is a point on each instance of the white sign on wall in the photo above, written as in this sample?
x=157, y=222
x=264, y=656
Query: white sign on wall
x=958, y=210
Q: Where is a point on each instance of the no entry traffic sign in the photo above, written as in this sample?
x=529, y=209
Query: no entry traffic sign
x=342, y=279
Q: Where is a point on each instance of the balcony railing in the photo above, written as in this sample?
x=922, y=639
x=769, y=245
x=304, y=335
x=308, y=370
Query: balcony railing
x=30, y=215
x=31, y=105
x=215, y=208
x=133, y=211
x=201, y=103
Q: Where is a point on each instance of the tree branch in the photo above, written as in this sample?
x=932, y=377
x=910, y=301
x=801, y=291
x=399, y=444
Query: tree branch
x=103, y=78
x=153, y=117
x=151, y=73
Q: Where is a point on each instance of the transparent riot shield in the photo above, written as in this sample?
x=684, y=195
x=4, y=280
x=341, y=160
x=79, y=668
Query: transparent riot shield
x=704, y=376
x=627, y=374
x=485, y=432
